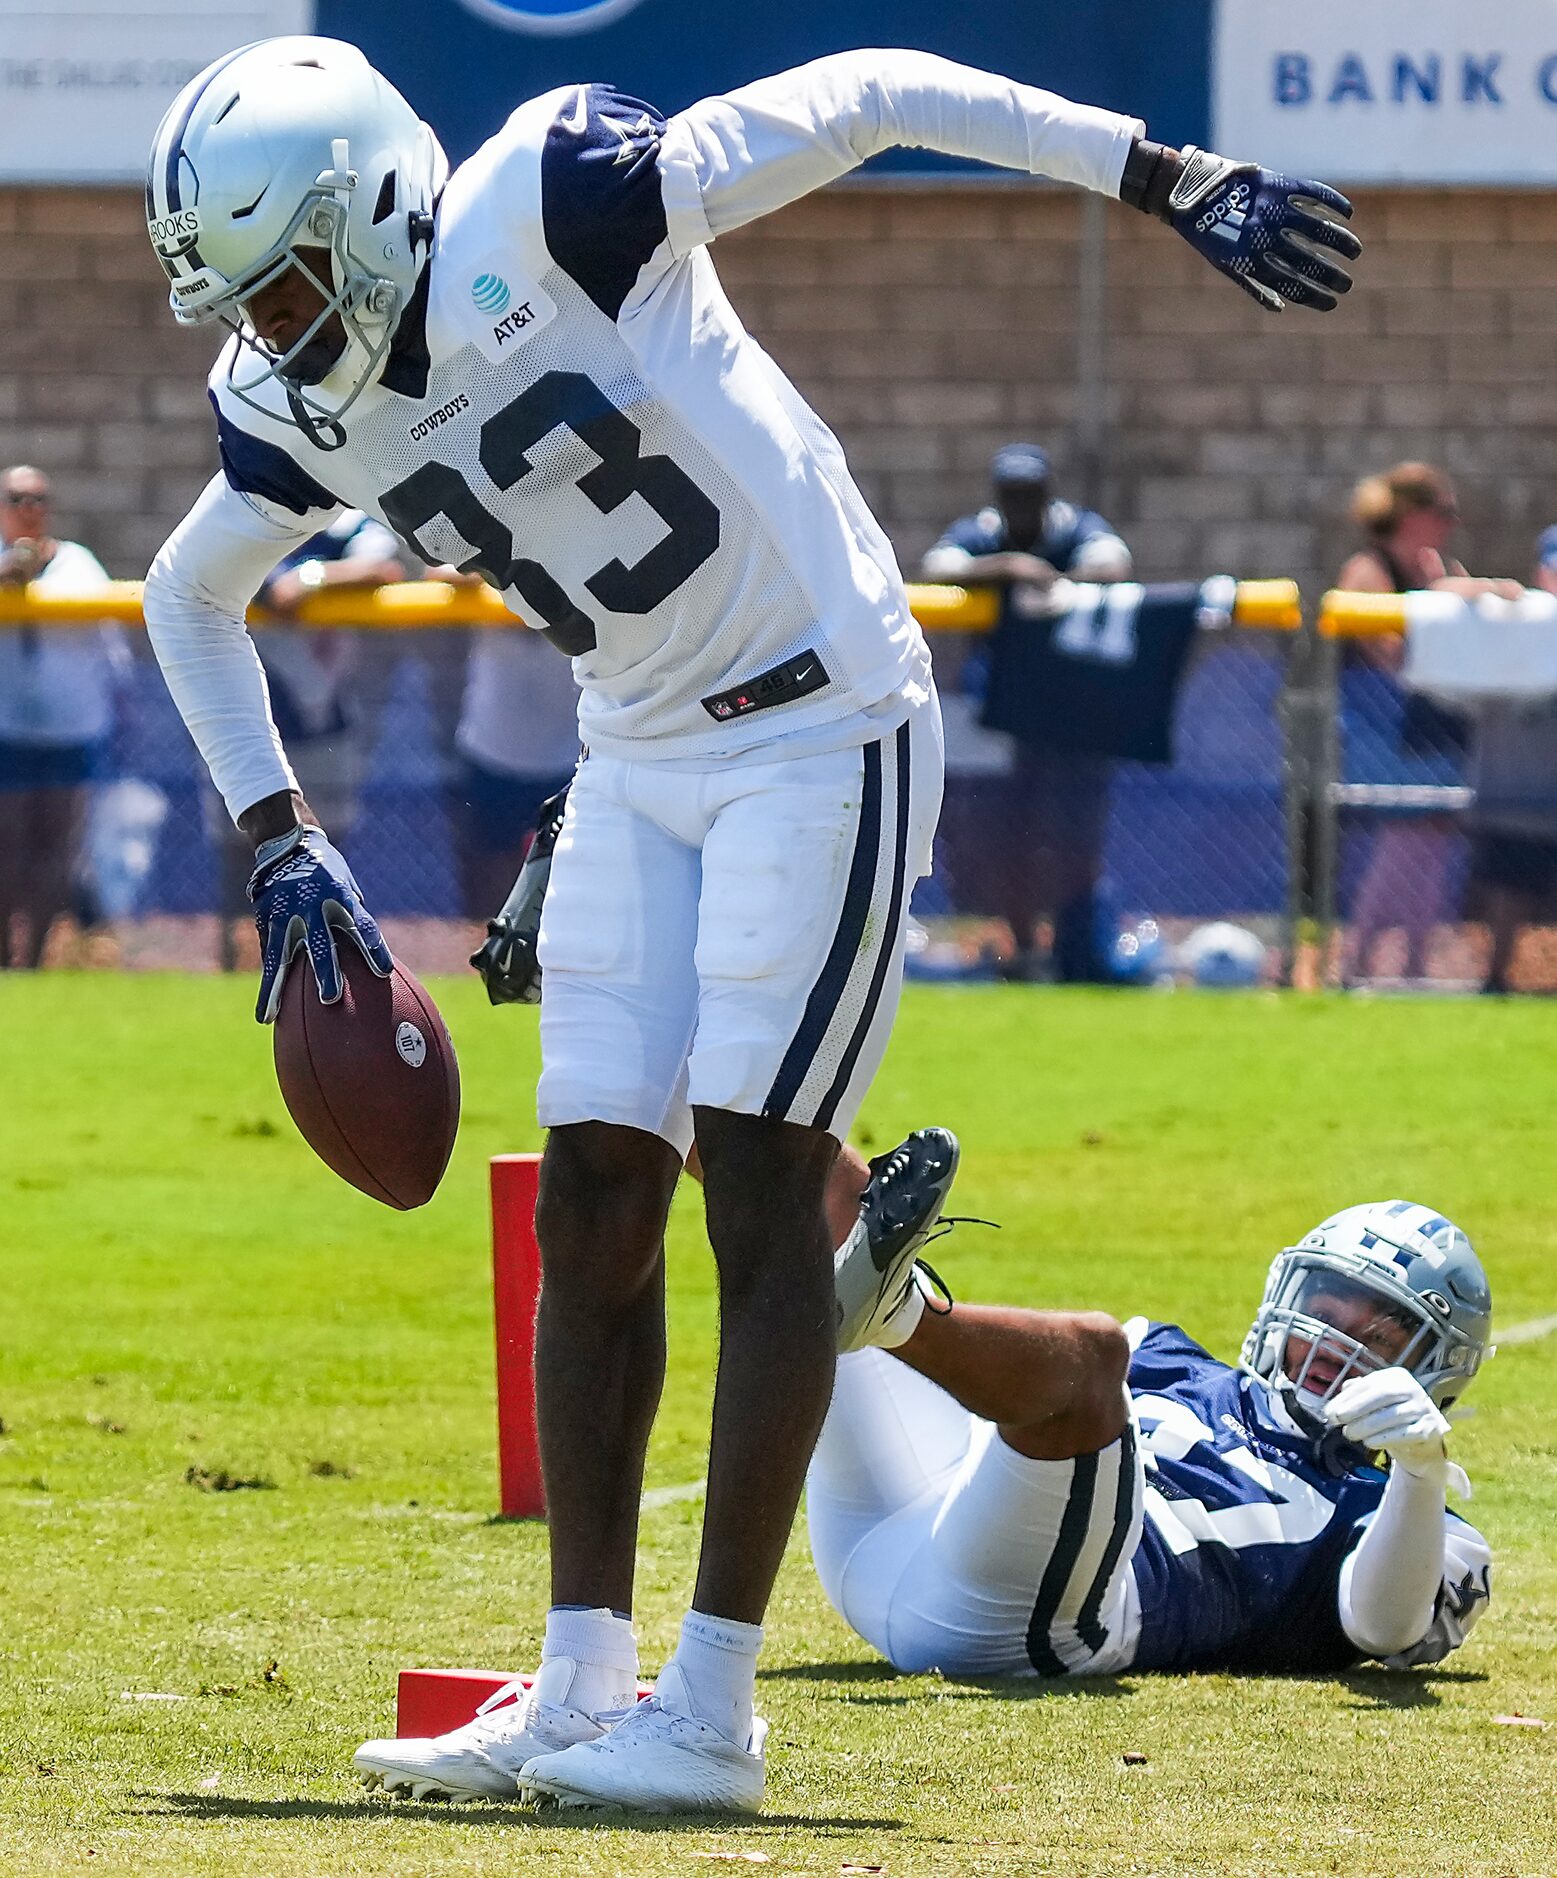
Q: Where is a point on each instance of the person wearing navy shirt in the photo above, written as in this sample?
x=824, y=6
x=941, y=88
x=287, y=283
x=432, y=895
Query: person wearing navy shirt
x=1002, y=1491
x=1029, y=841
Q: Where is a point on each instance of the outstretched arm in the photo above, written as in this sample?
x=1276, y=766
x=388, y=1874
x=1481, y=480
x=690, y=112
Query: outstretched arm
x=727, y=160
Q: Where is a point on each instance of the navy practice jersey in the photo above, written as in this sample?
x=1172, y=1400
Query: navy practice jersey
x=1075, y=541
x=1101, y=677
x=1246, y=1529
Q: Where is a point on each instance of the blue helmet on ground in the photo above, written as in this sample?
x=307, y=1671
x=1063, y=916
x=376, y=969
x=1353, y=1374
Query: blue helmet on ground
x=1223, y=957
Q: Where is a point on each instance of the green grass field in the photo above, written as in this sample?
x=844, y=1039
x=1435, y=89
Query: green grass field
x=186, y=1288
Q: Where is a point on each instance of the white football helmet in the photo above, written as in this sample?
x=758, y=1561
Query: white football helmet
x=1387, y=1259
x=294, y=152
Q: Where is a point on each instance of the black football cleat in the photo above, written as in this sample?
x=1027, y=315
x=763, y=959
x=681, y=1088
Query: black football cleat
x=879, y=1297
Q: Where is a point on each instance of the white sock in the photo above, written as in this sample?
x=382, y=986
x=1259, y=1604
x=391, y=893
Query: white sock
x=713, y=1674
x=589, y=1661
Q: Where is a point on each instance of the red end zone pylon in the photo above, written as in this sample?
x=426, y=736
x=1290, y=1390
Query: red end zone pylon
x=516, y=1290
x=432, y=1701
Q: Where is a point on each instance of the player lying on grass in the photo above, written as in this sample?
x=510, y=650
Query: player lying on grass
x=1004, y=1491
x=528, y=368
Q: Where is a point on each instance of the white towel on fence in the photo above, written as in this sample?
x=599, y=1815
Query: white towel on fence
x=1462, y=651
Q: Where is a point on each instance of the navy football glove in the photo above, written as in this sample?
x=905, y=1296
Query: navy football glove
x=1262, y=230
x=508, y=962
x=303, y=894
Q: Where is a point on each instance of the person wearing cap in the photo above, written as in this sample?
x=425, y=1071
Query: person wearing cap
x=1023, y=825
x=1513, y=823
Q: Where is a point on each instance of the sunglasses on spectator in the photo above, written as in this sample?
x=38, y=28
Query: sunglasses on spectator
x=19, y=498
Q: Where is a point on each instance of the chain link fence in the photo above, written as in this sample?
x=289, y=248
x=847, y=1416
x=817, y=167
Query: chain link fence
x=1438, y=850
x=1118, y=863
x=1097, y=849
x=1361, y=835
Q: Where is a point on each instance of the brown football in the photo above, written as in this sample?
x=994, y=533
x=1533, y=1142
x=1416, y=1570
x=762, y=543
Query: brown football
x=371, y=1081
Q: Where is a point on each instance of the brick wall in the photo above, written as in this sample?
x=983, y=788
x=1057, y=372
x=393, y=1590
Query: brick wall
x=928, y=328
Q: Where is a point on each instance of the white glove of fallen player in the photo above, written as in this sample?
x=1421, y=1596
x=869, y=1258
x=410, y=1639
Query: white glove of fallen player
x=1390, y=1412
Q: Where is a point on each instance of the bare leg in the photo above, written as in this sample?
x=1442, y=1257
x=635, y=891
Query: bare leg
x=1425, y=906
x=600, y=1347
x=845, y=1188
x=1505, y=905
x=12, y=865
x=1385, y=880
x=1051, y=1381
x=765, y=1187
x=235, y=863
x=58, y=817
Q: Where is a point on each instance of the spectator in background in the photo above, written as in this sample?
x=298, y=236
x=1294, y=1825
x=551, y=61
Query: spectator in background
x=1029, y=841
x=312, y=696
x=57, y=691
x=518, y=743
x=1409, y=514
x=1513, y=823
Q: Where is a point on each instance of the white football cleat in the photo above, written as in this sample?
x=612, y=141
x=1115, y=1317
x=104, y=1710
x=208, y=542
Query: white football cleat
x=481, y=1761
x=875, y=1272
x=658, y=1759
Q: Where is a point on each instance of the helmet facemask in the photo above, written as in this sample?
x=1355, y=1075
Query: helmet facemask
x=367, y=306
x=1370, y=1290
x=1328, y=1327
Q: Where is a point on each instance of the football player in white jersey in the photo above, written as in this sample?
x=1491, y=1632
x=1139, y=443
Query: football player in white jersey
x=1018, y=1492
x=528, y=368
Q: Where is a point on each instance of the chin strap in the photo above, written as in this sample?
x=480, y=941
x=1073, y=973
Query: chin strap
x=322, y=431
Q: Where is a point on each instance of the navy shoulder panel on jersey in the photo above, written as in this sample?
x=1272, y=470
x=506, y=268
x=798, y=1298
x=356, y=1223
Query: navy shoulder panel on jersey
x=257, y=468
x=984, y=533
x=1167, y=1355
x=1067, y=530
x=601, y=204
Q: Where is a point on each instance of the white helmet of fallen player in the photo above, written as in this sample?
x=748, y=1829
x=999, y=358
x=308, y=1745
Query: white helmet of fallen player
x=295, y=153
x=1385, y=1285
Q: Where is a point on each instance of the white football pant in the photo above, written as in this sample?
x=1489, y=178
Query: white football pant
x=946, y=1549
x=730, y=935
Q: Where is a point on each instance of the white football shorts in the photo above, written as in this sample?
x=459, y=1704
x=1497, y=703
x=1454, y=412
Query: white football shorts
x=730, y=935
x=945, y=1549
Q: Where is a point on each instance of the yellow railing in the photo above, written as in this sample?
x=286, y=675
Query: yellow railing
x=1271, y=604
x=1361, y=615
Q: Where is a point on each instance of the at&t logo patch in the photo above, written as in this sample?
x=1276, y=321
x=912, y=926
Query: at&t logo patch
x=550, y=16
x=490, y=292
x=508, y=311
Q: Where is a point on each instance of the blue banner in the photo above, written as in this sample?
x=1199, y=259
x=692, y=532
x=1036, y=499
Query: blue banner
x=465, y=64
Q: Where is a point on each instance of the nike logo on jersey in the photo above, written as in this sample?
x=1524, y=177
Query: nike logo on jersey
x=577, y=120
x=780, y=684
